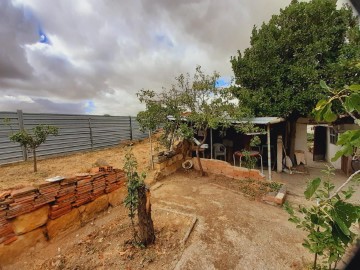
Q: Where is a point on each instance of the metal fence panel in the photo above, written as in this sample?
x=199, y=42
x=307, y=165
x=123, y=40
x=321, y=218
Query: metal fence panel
x=9, y=151
x=136, y=132
x=76, y=133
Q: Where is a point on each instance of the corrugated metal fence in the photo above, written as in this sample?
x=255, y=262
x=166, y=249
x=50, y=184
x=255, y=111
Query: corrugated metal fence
x=76, y=133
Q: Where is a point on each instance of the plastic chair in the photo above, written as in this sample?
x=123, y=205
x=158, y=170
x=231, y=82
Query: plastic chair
x=219, y=150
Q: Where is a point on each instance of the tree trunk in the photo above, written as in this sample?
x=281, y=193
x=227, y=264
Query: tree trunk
x=199, y=161
x=202, y=173
x=151, y=151
x=291, y=141
x=35, y=162
x=146, y=226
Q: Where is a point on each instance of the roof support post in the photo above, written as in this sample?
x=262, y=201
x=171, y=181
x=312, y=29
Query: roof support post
x=269, y=151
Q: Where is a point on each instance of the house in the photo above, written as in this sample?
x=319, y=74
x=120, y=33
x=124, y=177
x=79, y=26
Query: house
x=235, y=141
x=325, y=137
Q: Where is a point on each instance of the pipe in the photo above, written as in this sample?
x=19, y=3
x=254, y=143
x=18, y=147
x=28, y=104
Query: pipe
x=269, y=150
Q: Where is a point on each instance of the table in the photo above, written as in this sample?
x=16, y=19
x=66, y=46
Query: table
x=251, y=154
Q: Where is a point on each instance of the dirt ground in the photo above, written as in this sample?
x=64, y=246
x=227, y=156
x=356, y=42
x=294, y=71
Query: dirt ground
x=21, y=174
x=105, y=243
x=232, y=230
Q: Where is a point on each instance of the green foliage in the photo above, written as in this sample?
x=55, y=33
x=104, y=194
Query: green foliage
x=134, y=182
x=349, y=97
x=37, y=136
x=308, y=41
x=153, y=116
x=194, y=104
x=275, y=186
x=328, y=222
x=249, y=161
x=31, y=140
x=255, y=141
x=310, y=137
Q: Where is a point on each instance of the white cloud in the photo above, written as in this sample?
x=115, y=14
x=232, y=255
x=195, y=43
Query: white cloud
x=102, y=52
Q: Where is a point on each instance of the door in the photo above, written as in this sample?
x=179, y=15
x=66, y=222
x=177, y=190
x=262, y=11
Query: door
x=319, y=143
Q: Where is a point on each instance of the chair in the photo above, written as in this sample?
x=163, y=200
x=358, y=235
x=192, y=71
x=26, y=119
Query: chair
x=219, y=150
x=202, y=147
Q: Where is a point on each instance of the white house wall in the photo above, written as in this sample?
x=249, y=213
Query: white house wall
x=331, y=150
x=301, y=137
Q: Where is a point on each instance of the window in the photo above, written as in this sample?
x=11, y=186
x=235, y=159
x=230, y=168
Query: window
x=333, y=136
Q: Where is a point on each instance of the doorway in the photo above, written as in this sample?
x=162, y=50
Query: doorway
x=319, y=151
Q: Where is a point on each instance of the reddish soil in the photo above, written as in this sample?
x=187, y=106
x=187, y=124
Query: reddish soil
x=232, y=231
x=21, y=174
x=106, y=244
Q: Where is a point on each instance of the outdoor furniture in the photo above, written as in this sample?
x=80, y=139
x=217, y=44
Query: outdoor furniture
x=219, y=150
x=300, y=157
x=202, y=147
x=240, y=154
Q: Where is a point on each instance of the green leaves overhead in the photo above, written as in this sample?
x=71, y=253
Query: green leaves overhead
x=352, y=102
x=328, y=222
x=279, y=74
x=348, y=140
x=312, y=187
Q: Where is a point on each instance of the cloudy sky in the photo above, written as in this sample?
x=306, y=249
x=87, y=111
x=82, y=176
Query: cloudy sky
x=92, y=56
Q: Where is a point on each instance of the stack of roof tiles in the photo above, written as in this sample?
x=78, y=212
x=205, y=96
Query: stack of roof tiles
x=62, y=196
x=23, y=201
x=112, y=182
x=7, y=235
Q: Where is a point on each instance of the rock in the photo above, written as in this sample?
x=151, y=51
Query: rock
x=30, y=221
x=117, y=197
x=66, y=223
x=9, y=253
x=90, y=210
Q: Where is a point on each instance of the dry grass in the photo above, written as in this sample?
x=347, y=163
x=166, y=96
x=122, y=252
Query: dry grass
x=21, y=174
x=254, y=189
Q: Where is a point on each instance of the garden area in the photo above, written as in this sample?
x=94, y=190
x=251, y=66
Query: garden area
x=196, y=219
x=200, y=222
x=168, y=202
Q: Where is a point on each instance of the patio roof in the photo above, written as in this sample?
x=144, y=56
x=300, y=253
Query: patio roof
x=260, y=120
x=253, y=120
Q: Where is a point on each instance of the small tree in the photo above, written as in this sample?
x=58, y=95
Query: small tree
x=32, y=140
x=138, y=201
x=195, y=105
x=152, y=118
x=328, y=222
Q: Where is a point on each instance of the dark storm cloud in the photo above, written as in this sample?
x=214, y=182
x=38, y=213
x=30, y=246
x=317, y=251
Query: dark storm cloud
x=15, y=30
x=106, y=50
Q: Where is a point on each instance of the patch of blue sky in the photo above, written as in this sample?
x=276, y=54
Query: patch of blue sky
x=223, y=82
x=30, y=17
x=43, y=38
x=164, y=40
x=90, y=106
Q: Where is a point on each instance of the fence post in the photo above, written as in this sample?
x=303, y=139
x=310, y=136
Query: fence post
x=131, y=130
x=91, y=135
x=22, y=128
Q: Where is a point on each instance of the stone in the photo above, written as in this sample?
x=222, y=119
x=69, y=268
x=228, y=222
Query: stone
x=66, y=223
x=30, y=221
x=117, y=197
x=10, y=252
x=91, y=210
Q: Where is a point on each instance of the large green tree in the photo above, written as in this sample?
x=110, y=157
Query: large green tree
x=279, y=74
